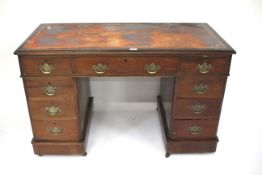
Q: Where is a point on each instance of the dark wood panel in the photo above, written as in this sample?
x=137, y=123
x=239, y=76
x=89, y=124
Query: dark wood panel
x=38, y=108
x=191, y=146
x=167, y=95
x=36, y=87
x=30, y=66
x=182, y=129
x=43, y=147
x=59, y=148
x=200, y=86
x=183, y=145
x=197, y=108
x=70, y=130
x=125, y=66
x=83, y=90
x=219, y=65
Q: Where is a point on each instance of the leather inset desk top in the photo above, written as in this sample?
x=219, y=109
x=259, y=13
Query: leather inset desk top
x=123, y=37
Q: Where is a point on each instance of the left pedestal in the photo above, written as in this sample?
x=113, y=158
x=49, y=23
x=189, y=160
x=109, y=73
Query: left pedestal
x=59, y=105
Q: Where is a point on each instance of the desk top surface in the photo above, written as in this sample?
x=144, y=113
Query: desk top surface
x=124, y=37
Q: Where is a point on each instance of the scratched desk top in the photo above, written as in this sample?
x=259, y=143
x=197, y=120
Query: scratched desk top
x=124, y=37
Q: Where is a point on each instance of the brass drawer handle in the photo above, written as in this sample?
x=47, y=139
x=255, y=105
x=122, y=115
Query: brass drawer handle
x=46, y=68
x=200, y=88
x=152, y=68
x=100, y=68
x=52, y=110
x=198, y=108
x=56, y=131
x=204, y=68
x=194, y=130
x=50, y=90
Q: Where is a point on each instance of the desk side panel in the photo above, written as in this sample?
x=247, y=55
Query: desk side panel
x=166, y=92
x=83, y=86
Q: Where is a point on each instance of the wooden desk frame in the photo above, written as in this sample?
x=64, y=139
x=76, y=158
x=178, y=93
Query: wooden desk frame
x=192, y=60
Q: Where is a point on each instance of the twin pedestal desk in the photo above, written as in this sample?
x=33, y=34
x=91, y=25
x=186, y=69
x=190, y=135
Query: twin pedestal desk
x=57, y=60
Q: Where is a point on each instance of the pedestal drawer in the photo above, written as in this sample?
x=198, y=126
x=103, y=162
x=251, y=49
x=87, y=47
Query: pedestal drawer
x=66, y=130
x=50, y=87
x=45, y=66
x=205, y=66
x=200, y=129
x=197, y=108
x=200, y=86
x=57, y=108
x=119, y=66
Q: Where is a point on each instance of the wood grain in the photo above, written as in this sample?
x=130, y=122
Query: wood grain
x=181, y=129
x=125, y=65
x=70, y=127
x=183, y=108
x=220, y=65
x=64, y=87
x=30, y=66
x=215, y=86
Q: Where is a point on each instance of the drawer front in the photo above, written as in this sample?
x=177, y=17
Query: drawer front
x=190, y=129
x=128, y=66
x=66, y=130
x=205, y=66
x=200, y=86
x=50, y=87
x=197, y=108
x=57, y=108
x=45, y=66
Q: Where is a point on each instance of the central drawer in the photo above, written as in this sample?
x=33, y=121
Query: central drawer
x=125, y=65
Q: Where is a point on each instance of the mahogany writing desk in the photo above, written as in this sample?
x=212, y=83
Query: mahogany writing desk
x=191, y=59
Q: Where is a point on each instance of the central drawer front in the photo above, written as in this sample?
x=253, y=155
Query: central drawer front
x=128, y=66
